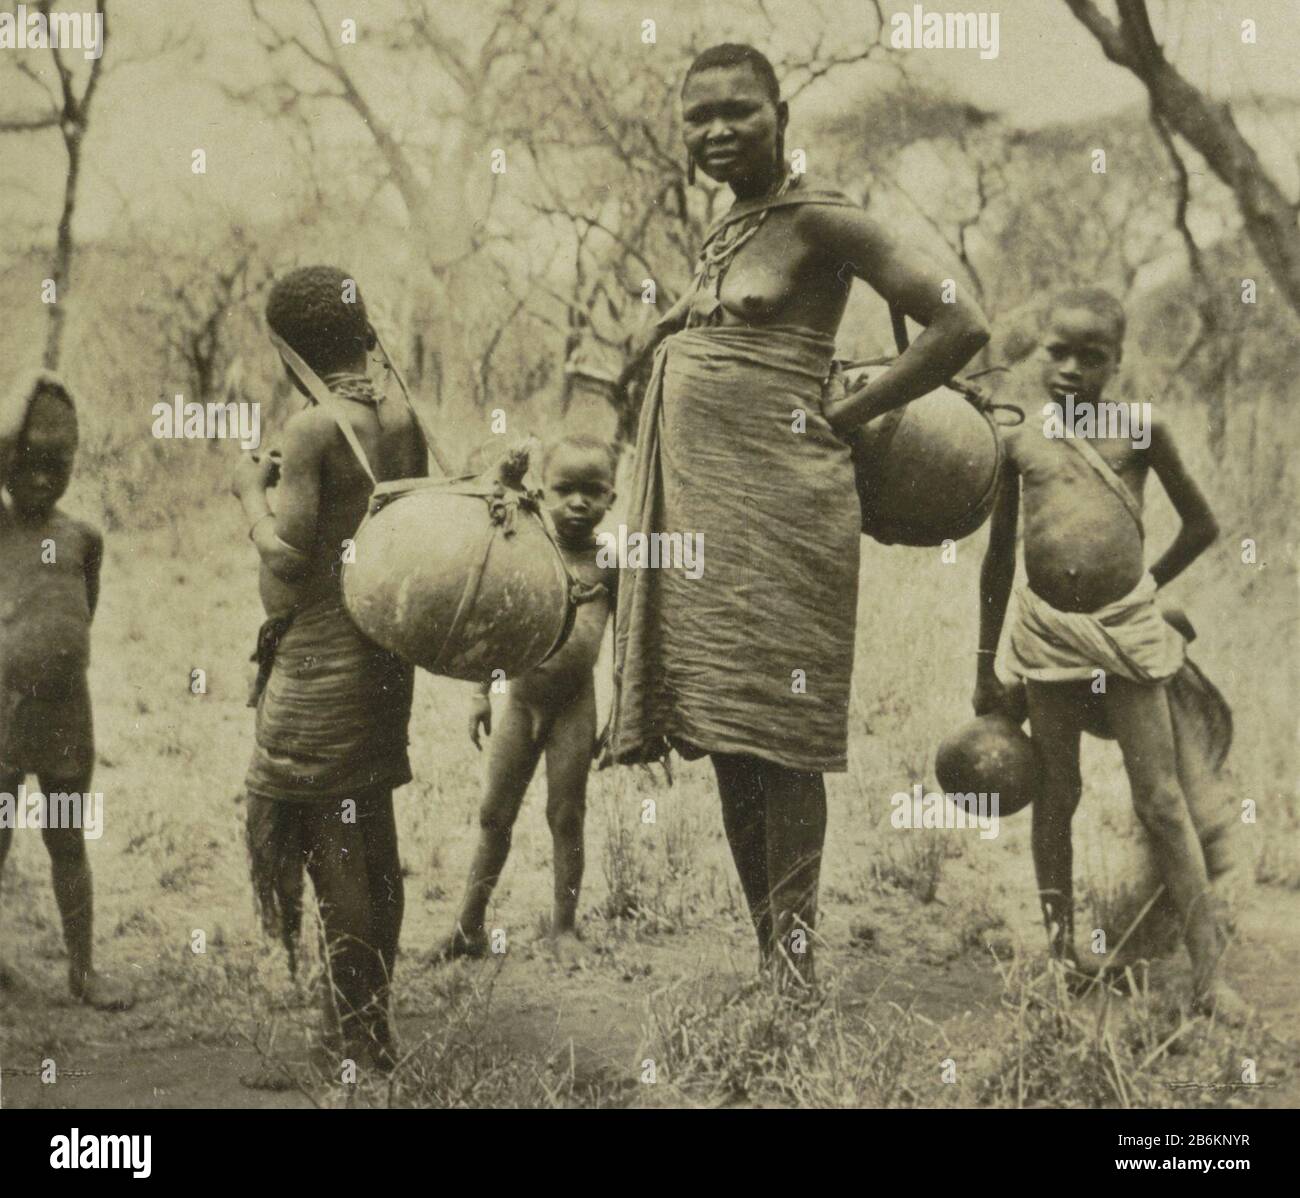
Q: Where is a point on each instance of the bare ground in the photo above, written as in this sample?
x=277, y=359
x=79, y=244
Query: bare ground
x=517, y=1028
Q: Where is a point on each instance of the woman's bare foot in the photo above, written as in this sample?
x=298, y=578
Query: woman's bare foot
x=569, y=951
x=459, y=944
x=101, y=992
x=1222, y=1002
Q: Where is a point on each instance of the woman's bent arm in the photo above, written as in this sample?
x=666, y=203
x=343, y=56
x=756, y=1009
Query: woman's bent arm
x=955, y=327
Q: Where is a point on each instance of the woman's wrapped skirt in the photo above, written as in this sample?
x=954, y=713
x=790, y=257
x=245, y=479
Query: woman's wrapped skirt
x=332, y=716
x=750, y=651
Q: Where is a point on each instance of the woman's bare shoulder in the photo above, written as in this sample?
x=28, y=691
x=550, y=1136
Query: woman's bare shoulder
x=840, y=226
x=814, y=185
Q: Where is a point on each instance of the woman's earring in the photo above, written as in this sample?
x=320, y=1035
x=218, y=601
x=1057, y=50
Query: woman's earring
x=690, y=170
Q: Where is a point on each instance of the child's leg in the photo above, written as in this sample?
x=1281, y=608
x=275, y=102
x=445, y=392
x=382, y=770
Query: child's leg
x=336, y=863
x=1140, y=716
x=387, y=900
x=70, y=874
x=744, y=817
x=796, y=832
x=1054, y=723
x=1201, y=788
x=568, y=761
x=516, y=749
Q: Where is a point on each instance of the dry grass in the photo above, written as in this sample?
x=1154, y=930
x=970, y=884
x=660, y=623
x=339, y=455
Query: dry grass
x=908, y=917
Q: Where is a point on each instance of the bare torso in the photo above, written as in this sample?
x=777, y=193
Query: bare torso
x=777, y=278
x=561, y=678
x=786, y=275
x=1083, y=549
x=44, y=606
x=344, y=495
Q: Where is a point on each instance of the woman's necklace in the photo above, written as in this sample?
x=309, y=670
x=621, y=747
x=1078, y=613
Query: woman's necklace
x=357, y=387
x=720, y=251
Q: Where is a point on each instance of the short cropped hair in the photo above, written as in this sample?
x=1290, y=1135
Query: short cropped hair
x=1096, y=300
x=307, y=308
x=16, y=406
x=733, y=54
x=56, y=388
x=584, y=441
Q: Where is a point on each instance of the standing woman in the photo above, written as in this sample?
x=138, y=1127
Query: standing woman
x=750, y=661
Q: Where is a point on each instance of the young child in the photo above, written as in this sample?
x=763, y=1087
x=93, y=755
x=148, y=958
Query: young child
x=49, y=586
x=1089, y=612
x=551, y=710
x=332, y=707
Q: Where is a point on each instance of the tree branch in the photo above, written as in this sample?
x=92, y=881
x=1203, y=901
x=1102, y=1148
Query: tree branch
x=49, y=120
x=1208, y=126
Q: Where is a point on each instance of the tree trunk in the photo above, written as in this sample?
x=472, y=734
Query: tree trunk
x=62, y=272
x=1267, y=216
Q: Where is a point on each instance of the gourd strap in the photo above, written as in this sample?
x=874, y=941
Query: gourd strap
x=576, y=593
x=327, y=400
x=467, y=597
x=502, y=509
x=443, y=465
x=325, y=397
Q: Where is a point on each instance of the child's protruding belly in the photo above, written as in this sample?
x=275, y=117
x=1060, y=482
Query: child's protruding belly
x=1082, y=564
x=45, y=639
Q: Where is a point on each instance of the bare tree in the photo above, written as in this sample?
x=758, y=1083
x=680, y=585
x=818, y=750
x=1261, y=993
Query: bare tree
x=428, y=173
x=69, y=112
x=604, y=148
x=196, y=305
x=606, y=197
x=1270, y=219
x=438, y=166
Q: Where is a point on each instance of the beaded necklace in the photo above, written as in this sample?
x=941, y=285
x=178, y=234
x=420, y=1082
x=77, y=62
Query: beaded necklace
x=356, y=387
x=716, y=258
